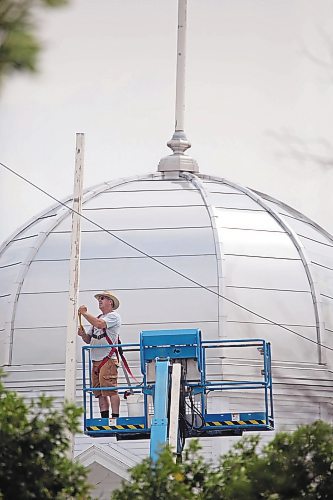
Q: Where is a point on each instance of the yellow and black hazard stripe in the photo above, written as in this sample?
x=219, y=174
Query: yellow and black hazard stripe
x=115, y=427
x=235, y=422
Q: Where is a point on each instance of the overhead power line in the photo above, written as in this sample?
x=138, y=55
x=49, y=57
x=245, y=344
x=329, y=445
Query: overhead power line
x=237, y=304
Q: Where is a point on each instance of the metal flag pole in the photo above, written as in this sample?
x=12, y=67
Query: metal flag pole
x=181, y=55
x=179, y=143
x=74, y=275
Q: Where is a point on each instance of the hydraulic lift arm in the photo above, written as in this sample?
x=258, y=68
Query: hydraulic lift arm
x=159, y=423
x=165, y=423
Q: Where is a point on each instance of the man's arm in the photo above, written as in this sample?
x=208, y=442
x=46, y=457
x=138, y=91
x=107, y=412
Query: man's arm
x=96, y=322
x=85, y=336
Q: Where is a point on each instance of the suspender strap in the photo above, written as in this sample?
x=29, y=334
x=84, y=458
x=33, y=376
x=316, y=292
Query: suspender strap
x=114, y=350
x=109, y=341
x=127, y=368
x=104, y=360
x=124, y=360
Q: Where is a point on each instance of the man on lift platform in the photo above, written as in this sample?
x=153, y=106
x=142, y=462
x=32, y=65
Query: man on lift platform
x=104, y=331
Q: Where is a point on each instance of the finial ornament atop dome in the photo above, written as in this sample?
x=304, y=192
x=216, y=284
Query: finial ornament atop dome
x=179, y=143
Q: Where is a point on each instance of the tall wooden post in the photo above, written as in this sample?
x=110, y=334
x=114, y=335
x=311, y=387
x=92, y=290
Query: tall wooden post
x=74, y=276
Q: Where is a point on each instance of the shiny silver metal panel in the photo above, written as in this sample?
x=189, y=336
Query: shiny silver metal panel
x=278, y=207
x=315, y=292
x=285, y=345
x=46, y=277
x=235, y=201
x=177, y=241
x=258, y=243
x=199, y=268
x=3, y=311
x=123, y=273
x=41, y=224
x=38, y=310
x=327, y=304
x=17, y=250
x=95, y=245
x=8, y=276
x=137, y=306
x=115, y=199
x=157, y=242
x=289, y=308
x=325, y=277
x=319, y=253
x=39, y=346
x=306, y=230
x=144, y=218
x=218, y=187
x=151, y=184
x=256, y=272
x=137, y=274
x=244, y=219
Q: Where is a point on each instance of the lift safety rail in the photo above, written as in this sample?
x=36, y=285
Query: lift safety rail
x=172, y=400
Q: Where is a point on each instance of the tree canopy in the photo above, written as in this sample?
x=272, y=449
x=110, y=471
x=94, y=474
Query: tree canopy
x=33, y=450
x=19, y=44
x=34, y=463
x=297, y=465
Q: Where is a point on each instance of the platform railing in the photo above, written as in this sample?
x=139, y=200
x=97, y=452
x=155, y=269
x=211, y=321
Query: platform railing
x=88, y=389
x=265, y=376
x=201, y=387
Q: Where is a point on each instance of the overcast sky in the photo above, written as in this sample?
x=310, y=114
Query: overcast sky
x=253, y=97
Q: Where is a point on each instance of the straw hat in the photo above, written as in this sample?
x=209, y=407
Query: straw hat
x=109, y=295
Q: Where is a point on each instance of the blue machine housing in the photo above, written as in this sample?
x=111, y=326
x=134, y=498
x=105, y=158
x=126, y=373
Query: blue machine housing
x=172, y=344
x=161, y=349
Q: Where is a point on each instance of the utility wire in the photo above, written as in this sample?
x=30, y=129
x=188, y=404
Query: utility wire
x=163, y=264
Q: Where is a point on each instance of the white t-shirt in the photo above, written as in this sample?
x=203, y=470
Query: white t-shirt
x=113, y=323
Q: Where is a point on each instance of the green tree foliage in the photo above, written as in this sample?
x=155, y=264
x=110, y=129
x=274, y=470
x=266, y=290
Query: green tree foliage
x=19, y=46
x=33, y=447
x=297, y=465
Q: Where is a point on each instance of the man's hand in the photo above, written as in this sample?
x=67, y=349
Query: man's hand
x=84, y=336
x=96, y=322
x=81, y=331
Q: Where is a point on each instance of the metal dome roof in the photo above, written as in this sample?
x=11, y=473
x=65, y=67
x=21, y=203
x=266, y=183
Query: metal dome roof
x=229, y=260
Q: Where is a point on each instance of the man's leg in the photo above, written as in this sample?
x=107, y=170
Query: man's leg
x=104, y=406
x=109, y=378
x=103, y=401
x=115, y=403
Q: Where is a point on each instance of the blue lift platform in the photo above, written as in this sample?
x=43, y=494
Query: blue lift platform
x=174, y=391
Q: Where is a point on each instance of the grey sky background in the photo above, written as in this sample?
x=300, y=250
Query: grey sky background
x=259, y=111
